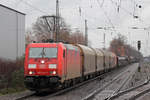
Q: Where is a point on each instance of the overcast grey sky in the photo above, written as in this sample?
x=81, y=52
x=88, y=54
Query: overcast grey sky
x=99, y=13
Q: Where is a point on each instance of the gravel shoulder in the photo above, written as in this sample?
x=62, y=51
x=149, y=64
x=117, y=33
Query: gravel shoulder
x=14, y=96
x=145, y=72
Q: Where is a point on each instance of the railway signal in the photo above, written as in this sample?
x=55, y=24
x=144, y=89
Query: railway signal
x=139, y=45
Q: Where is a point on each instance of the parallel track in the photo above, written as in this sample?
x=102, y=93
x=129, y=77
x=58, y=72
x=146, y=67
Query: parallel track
x=135, y=96
x=93, y=94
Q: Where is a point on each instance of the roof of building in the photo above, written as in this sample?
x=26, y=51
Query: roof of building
x=12, y=9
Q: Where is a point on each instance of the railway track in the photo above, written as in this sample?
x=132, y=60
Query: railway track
x=58, y=93
x=110, y=89
x=133, y=93
x=64, y=90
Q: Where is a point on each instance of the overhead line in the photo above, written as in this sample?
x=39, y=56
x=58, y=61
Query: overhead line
x=37, y=9
x=107, y=17
x=17, y=3
x=126, y=11
x=101, y=5
x=28, y=4
x=122, y=8
x=90, y=17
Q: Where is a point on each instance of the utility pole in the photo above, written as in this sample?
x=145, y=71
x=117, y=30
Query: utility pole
x=139, y=47
x=104, y=41
x=57, y=20
x=86, y=33
x=129, y=34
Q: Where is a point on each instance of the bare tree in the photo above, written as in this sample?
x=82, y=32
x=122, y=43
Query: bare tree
x=77, y=37
x=117, y=45
x=29, y=36
x=43, y=29
x=121, y=48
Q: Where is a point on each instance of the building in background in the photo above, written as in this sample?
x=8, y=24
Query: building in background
x=12, y=33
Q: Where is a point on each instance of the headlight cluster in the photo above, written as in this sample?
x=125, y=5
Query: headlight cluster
x=53, y=72
x=31, y=72
x=32, y=66
x=52, y=66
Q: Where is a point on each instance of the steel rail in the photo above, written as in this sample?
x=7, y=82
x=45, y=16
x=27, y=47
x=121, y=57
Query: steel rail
x=119, y=88
x=90, y=96
x=131, y=89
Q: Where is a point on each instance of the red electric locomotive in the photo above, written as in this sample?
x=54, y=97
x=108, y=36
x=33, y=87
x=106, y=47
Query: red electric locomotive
x=46, y=65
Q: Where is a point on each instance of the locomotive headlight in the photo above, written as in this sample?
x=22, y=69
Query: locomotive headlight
x=30, y=72
x=54, y=72
x=52, y=66
x=32, y=66
x=42, y=61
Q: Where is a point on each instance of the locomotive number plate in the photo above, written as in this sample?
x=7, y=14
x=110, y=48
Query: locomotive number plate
x=42, y=66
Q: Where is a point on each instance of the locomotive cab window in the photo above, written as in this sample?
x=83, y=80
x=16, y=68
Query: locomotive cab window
x=43, y=53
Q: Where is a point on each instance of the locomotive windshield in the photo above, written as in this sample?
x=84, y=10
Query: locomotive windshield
x=43, y=53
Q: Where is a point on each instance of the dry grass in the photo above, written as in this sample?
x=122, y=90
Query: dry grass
x=11, y=76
